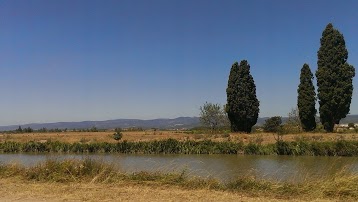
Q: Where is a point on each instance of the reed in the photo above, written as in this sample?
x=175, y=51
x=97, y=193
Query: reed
x=341, y=186
x=172, y=146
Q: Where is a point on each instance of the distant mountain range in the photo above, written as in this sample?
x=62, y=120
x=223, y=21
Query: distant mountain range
x=348, y=119
x=177, y=123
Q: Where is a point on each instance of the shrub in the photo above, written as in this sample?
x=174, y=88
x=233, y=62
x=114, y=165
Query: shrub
x=273, y=124
x=351, y=125
x=117, y=136
x=283, y=148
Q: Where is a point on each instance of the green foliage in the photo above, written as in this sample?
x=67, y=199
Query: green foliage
x=117, y=136
x=334, y=78
x=283, y=148
x=42, y=130
x=242, y=104
x=351, y=125
x=94, y=129
x=171, y=146
x=319, y=128
x=272, y=124
x=306, y=99
x=28, y=130
x=213, y=116
x=293, y=123
x=258, y=149
x=55, y=130
x=19, y=130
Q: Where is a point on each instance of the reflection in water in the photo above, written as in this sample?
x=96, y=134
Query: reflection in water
x=222, y=167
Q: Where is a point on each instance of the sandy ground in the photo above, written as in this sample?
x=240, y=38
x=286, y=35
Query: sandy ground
x=18, y=190
x=88, y=137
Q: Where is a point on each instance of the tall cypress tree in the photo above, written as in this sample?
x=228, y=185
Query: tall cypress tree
x=334, y=78
x=306, y=99
x=242, y=104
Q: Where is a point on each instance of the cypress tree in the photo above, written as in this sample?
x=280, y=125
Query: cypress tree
x=306, y=99
x=334, y=78
x=242, y=105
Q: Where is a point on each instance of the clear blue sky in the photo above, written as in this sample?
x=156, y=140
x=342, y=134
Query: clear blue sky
x=73, y=60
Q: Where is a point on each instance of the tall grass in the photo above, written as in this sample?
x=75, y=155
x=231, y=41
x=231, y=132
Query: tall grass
x=172, y=146
x=341, y=186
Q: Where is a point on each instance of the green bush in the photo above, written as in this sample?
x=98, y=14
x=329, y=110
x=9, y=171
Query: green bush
x=117, y=136
x=284, y=148
x=272, y=124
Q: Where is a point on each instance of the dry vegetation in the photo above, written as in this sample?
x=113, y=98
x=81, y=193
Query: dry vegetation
x=52, y=182
x=86, y=137
x=270, y=138
x=19, y=190
x=89, y=137
x=89, y=180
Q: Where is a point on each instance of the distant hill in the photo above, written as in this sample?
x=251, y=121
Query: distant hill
x=177, y=123
x=348, y=119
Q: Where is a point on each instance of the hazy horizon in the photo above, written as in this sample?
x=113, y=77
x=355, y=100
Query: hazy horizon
x=70, y=61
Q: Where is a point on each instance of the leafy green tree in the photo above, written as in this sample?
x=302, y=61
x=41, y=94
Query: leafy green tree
x=334, y=78
x=213, y=116
x=242, y=104
x=272, y=124
x=306, y=99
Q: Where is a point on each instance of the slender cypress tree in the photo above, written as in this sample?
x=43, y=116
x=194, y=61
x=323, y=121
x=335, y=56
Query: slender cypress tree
x=242, y=104
x=334, y=78
x=306, y=99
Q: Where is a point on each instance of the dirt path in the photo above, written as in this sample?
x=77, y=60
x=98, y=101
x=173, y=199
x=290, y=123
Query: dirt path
x=17, y=190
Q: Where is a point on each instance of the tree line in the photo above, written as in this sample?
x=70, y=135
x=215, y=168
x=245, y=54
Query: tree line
x=52, y=130
x=334, y=90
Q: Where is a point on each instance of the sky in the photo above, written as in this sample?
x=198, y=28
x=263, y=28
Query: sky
x=74, y=60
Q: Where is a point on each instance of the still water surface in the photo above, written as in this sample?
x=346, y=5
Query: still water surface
x=221, y=167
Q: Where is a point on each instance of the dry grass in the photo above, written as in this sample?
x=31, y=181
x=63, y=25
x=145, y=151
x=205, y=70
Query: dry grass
x=88, y=137
x=89, y=180
x=269, y=138
x=18, y=190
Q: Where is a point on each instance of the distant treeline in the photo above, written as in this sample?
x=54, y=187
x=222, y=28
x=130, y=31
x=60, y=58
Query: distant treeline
x=57, y=130
x=171, y=146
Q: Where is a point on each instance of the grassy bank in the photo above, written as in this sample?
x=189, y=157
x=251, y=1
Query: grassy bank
x=341, y=186
x=172, y=146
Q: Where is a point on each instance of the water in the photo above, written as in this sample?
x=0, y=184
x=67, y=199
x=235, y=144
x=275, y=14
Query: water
x=221, y=167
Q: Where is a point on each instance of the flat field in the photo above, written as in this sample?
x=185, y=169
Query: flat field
x=89, y=137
